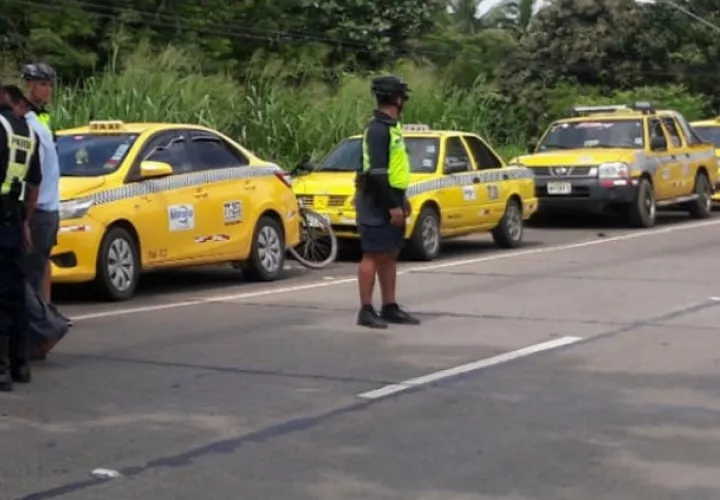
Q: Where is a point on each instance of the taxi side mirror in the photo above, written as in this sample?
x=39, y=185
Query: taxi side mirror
x=531, y=147
x=155, y=169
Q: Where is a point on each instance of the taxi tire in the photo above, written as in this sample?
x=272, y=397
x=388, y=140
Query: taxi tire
x=638, y=213
x=253, y=268
x=501, y=234
x=701, y=208
x=102, y=281
x=416, y=248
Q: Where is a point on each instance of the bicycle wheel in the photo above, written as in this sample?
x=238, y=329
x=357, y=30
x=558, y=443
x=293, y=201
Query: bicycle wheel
x=318, y=245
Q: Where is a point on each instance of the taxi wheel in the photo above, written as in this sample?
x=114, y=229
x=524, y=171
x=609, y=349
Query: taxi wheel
x=643, y=210
x=701, y=208
x=509, y=232
x=118, y=265
x=426, y=239
x=267, y=256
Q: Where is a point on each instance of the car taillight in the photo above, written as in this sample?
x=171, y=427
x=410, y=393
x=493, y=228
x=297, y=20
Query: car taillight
x=285, y=178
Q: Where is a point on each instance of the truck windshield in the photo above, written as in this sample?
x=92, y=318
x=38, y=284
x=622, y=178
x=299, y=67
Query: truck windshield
x=347, y=157
x=594, y=134
x=709, y=134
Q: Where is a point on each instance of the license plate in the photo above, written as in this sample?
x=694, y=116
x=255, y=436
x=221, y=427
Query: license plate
x=559, y=188
x=313, y=222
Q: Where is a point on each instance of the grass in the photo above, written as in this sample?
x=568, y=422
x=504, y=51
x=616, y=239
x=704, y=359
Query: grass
x=284, y=122
x=274, y=120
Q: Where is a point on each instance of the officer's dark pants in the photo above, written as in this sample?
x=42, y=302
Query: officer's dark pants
x=14, y=331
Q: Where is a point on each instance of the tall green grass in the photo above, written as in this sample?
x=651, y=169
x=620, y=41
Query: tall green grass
x=275, y=120
x=283, y=122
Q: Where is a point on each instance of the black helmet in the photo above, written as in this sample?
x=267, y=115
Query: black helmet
x=390, y=87
x=38, y=71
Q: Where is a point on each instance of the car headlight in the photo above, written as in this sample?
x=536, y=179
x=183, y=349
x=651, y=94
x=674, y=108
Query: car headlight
x=75, y=209
x=614, y=170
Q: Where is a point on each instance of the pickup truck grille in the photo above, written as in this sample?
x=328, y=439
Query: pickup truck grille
x=562, y=171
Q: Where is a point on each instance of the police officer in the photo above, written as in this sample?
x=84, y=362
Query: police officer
x=381, y=205
x=20, y=176
x=40, y=80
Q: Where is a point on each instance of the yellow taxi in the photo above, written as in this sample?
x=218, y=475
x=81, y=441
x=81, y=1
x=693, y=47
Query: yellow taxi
x=709, y=131
x=143, y=196
x=629, y=160
x=459, y=186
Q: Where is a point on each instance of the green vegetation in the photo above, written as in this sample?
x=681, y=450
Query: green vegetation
x=291, y=78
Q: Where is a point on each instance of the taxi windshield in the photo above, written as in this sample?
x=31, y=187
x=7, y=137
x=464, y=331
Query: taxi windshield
x=709, y=134
x=92, y=155
x=347, y=157
x=594, y=134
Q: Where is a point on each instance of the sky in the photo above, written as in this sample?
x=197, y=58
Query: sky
x=486, y=6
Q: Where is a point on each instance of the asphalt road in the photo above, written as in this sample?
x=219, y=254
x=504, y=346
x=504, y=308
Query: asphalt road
x=583, y=366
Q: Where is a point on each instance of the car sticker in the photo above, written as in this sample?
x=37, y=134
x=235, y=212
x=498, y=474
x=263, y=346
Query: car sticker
x=591, y=142
x=120, y=151
x=583, y=125
x=431, y=149
x=427, y=163
x=233, y=212
x=181, y=217
x=214, y=237
x=468, y=193
x=493, y=192
x=82, y=157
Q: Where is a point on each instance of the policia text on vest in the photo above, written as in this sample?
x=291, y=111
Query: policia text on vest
x=19, y=165
x=385, y=172
x=20, y=175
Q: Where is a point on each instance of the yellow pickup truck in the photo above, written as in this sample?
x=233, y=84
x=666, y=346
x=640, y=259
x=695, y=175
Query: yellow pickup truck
x=626, y=159
x=709, y=131
x=459, y=185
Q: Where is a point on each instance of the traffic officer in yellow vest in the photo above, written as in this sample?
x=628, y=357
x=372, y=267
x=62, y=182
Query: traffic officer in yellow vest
x=40, y=80
x=20, y=176
x=381, y=205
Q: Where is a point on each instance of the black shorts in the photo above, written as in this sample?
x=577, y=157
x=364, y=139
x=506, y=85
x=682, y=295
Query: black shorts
x=380, y=239
x=43, y=232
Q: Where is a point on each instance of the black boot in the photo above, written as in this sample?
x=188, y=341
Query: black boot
x=393, y=314
x=19, y=355
x=6, y=383
x=369, y=318
x=20, y=372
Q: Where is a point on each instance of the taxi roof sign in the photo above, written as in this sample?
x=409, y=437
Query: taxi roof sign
x=416, y=127
x=106, y=126
x=642, y=106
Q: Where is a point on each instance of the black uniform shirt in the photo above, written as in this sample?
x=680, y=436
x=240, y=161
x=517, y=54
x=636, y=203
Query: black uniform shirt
x=20, y=127
x=375, y=197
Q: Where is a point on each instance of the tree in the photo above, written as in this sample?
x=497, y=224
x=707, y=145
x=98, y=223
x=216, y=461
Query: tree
x=603, y=43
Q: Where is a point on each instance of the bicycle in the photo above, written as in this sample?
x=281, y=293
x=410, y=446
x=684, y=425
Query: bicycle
x=318, y=245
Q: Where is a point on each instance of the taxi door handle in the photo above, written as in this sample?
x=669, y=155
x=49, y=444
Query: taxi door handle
x=201, y=193
x=476, y=180
x=505, y=177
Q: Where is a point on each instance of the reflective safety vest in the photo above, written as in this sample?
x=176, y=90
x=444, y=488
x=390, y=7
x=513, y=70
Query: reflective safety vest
x=44, y=118
x=20, y=150
x=399, y=163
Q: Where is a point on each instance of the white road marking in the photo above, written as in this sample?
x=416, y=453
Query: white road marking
x=404, y=270
x=391, y=389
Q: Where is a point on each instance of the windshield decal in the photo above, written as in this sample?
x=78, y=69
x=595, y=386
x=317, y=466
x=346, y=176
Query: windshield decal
x=594, y=125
